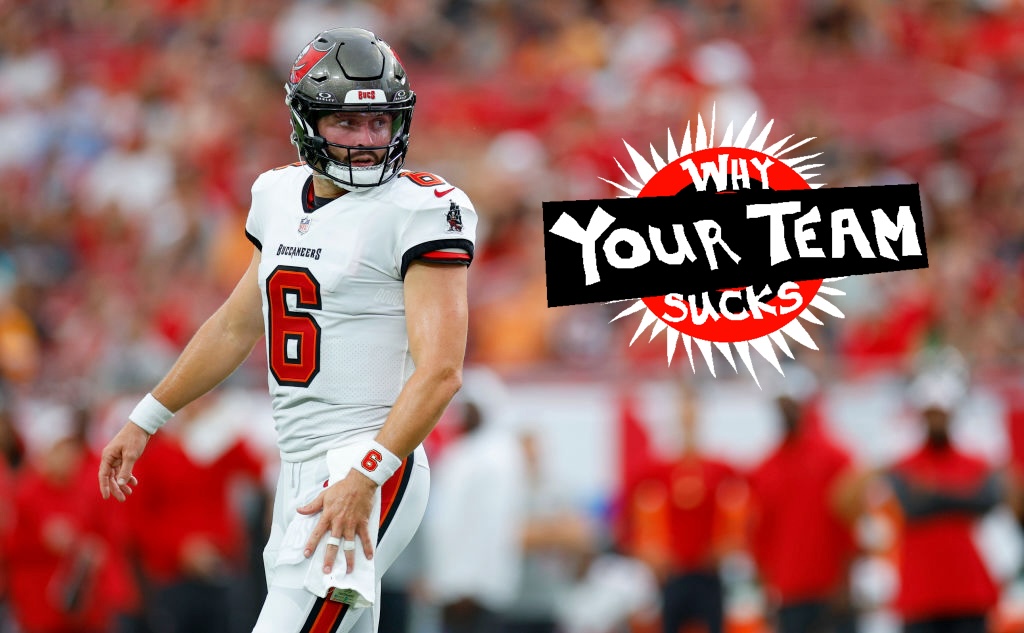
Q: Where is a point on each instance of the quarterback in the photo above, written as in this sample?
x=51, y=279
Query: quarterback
x=358, y=282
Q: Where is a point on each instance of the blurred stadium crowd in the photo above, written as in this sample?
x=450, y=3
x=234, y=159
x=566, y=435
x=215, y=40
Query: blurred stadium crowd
x=131, y=130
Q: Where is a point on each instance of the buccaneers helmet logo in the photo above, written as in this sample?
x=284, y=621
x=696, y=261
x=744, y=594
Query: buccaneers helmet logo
x=306, y=60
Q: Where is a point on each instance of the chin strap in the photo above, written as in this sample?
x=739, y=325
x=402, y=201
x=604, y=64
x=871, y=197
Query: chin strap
x=349, y=177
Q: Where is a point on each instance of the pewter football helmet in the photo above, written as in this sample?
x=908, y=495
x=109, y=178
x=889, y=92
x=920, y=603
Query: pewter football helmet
x=350, y=70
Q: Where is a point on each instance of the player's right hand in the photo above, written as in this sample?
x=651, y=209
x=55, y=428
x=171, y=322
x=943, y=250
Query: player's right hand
x=118, y=459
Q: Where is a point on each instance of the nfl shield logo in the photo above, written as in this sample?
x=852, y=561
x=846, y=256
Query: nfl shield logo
x=303, y=226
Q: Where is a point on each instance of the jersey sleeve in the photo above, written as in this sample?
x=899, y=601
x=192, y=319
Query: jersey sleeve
x=443, y=232
x=254, y=221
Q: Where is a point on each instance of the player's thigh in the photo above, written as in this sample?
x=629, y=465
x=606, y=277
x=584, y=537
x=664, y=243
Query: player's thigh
x=398, y=529
x=296, y=610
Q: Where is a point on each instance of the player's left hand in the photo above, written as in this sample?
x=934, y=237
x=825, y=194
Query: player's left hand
x=346, y=508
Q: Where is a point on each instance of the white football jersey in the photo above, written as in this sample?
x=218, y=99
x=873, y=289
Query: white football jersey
x=333, y=300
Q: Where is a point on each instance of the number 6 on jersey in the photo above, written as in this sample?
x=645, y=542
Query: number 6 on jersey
x=293, y=344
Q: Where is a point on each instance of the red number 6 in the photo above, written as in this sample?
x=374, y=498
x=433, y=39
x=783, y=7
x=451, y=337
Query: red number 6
x=372, y=460
x=422, y=178
x=293, y=330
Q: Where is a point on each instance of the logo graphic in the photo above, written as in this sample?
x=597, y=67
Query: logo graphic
x=304, y=225
x=305, y=61
x=401, y=94
x=326, y=96
x=454, y=218
x=732, y=272
x=365, y=96
x=441, y=194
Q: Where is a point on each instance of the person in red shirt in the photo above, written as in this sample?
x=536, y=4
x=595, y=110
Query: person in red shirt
x=801, y=540
x=945, y=586
x=692, y=593
x=6, y=524
x=673, y=525
x=188, y=535
x=12, y=453
x=65, y=574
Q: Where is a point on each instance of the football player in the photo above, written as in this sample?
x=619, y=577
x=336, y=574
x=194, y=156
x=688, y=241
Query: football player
x=358, y=281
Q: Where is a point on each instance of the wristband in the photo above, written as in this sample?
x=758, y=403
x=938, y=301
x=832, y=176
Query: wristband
x=149, y=414
x=378, y=463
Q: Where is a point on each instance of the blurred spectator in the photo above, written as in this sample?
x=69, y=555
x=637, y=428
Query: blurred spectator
x=613, y=594
x=556, y=539
x=6, y=518
x=802, y=541
x=944, y=584
x=682, y=499
x=725, y=68
x=19, y=341
x=948, y=182
x=478, y=509
x=65, y=574
x=188, y=530
x=692, y=592
x=12, y=447
x=12, y=453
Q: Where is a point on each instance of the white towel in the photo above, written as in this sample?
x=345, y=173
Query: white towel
x=357, y=589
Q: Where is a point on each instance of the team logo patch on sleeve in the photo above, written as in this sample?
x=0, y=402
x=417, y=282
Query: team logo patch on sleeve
x=454, y=218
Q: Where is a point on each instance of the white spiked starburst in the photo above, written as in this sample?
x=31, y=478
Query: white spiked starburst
x=765, y=346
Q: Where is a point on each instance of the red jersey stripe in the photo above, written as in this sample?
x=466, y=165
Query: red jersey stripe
x=330, y=613
x=446, y=255
x=389, y=491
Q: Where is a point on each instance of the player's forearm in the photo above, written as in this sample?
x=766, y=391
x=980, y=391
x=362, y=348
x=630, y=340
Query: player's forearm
x=419, y=407
x=437, y=319
x=214, y=352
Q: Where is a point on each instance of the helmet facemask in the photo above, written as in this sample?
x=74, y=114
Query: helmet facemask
x=334, y=160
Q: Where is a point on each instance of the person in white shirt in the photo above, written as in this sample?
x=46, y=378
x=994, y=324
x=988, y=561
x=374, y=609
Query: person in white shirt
x=474, y=530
